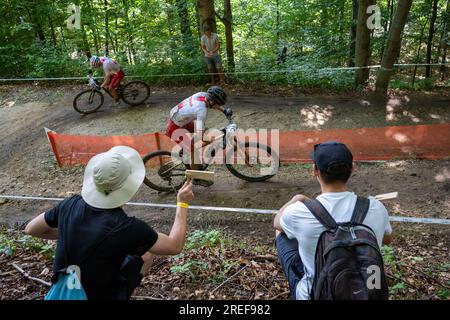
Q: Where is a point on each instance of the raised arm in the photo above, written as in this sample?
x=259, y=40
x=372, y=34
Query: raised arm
x=174, y=242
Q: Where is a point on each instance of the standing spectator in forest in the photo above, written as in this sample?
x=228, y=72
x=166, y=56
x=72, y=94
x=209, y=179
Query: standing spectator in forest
x=210, y=45
x=112, y=250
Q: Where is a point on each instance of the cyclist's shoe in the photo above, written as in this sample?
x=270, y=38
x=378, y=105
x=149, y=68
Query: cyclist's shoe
x=203, y=183
x=116, y=103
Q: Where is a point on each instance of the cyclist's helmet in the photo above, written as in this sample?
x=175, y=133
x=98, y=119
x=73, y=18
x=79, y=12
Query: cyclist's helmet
x=217, y=95
x=94, y=61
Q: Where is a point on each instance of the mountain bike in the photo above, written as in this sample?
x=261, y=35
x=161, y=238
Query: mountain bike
x=89, y=101
x=247, y=160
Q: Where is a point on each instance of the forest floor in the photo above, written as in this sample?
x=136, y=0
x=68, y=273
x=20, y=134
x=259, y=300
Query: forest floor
x=238, y=261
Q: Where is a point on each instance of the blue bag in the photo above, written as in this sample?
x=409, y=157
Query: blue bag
x=68, y=287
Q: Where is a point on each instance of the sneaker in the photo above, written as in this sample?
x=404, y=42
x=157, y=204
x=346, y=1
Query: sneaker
x=116, y=103
x=203, y=183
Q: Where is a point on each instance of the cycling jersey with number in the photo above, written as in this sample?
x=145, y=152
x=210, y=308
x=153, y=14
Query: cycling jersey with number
x=190, y=109
x=109, y=65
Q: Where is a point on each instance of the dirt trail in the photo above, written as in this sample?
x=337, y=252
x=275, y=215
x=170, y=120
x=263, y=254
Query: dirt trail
x=27, y=165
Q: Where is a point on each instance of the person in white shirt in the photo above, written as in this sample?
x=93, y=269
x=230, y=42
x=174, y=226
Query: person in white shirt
x=189, y=116
x=298, y=231
x=210, y=45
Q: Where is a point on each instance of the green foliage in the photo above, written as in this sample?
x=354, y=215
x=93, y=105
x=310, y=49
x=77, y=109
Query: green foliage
x=200, y=238
x=398, y=287
x=10, y=243
x=47, y=249
x=388, y=254
x=146, y=37
x=7, y=245
x=204, y=246
x=191, y=268
x=444, y=293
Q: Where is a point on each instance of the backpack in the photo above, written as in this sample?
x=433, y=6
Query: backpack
x=348, y=261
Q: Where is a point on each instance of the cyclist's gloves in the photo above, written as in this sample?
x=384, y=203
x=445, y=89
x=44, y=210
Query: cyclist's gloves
x=228, y=112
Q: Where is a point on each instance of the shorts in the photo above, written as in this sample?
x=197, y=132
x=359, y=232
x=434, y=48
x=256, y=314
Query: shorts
x=130, y=277
x=116, y=78
x=287, y=251
x=210, y=61
x=171, y=127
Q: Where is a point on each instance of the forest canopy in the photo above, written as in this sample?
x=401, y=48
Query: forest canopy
x=275, y=41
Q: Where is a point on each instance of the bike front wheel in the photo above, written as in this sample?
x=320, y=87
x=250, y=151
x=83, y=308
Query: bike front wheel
x=164, y=171
x=252, y=161
x=135, y=92
x=88, y=101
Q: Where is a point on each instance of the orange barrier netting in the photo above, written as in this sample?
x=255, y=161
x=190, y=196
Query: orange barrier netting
x=386, y=143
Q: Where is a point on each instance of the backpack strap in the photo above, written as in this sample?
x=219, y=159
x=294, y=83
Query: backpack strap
x=320, y=213
x=360, y=211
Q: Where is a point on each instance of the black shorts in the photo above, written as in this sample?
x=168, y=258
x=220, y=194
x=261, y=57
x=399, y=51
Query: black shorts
x=130, y=277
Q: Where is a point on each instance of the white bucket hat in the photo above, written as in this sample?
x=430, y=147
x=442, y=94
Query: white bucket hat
x=112, y=178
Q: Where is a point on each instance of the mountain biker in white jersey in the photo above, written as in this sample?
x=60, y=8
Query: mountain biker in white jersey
x=190, y=114
x=113, y=74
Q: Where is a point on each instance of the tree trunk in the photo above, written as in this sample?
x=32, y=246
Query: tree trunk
x=92, y=26
x=171, y=23
x=362, y=51
x=391, y=14
x=445, y=39
x=387, y=23
x=130, y=42
x=430, y=39
x=36, y=25
x=86, y=46
x=418, y=53
x=228, y=22
x=185, y=23
x=206, y=14
x=351, y=60
x=277, y=37
x=106, y=28
x=52, y=29
x=393, y=45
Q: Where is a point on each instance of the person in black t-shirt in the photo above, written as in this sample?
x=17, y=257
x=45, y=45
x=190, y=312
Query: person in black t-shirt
x=112, y=250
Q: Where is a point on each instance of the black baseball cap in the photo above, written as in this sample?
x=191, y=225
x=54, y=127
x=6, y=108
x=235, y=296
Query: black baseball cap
x=329, y=153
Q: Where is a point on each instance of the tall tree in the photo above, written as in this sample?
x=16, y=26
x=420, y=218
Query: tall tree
x=206, y=14
x=185, y=23
x=445, y=39
x=362, y=51
x=106, y=28
x=419, y=47
x=431, y=31
x=393, y=45
x=227, y=21
x=351, y=58
x=131, y=52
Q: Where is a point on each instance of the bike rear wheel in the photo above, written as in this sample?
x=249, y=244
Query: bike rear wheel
x=163, y=171
x=88, y=101
x=253, y=162
x=135, y=92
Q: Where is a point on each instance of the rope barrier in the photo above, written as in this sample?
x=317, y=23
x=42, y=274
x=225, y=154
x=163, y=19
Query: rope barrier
x=228, y=209
x=231, y=73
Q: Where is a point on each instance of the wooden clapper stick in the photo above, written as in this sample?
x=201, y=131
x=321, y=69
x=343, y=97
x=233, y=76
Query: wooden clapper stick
x=386, y=196
x=198, y=174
